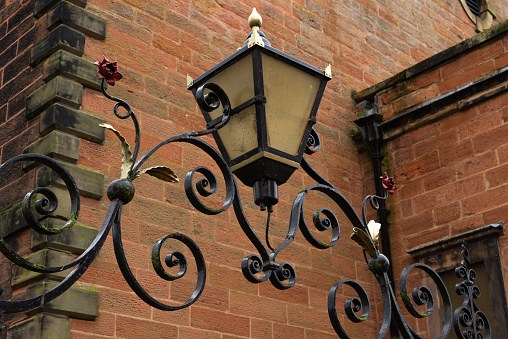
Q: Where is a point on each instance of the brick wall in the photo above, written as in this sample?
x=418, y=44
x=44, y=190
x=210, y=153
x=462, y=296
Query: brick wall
x=444, y=122
x=157, y=44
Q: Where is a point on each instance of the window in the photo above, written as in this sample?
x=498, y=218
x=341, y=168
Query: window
x=445, y=255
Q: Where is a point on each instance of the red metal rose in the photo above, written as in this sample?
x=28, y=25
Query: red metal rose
x=108, y=70
x=388, y=184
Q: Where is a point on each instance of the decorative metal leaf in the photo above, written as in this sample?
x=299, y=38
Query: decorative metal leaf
x=160, y=172
x=364, y=240
x=126, y=152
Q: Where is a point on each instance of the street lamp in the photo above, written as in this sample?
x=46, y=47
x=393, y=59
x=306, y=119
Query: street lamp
x=260, y=105
x=275, y=98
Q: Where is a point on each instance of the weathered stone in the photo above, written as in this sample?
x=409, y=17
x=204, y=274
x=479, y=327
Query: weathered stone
x=12, y=220
x=57, y=90
x=75, y=240
x=49, y=258
x=72, y=121
x=42, y=326
x=77, y=18
x=90, y=183
x=72, y=67
x=77, y=302
x=42, y=6
x=57, y=145
x=62, y=37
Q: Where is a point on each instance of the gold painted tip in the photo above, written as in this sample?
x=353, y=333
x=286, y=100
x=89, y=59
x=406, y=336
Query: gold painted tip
x=255, y=19
x=328, y=71
x=190, y=81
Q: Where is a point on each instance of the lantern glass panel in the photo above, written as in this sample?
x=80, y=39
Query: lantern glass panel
x=240, y=134
x=290, y=95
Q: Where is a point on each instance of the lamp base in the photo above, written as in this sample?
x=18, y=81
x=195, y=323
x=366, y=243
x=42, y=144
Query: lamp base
x=266, y=194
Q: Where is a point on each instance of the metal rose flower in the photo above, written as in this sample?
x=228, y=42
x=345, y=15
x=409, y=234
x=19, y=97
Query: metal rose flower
x=108, y=70
x=388, y=183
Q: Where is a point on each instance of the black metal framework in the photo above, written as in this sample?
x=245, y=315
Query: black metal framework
x=257, y=268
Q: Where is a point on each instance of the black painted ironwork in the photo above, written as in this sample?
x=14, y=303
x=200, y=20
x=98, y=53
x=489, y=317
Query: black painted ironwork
x=468, y=320
x=257, y=267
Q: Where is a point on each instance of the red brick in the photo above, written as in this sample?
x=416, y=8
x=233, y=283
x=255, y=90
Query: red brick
x=415, y=136
x=491, y=139
x=476, y=164
x=417, y=223
x=439, y=178
x=424, y=80
x=466, y=224
x=471, y=59
x=484, y=200
x=219, y=321
x=257, y=307
x=447, y=213
x=438, y=142
x=455, y=153
x=461, y=79
x=480, y=125
x=309, y=318
x=414, y=99
x=410, y=189
x=458, y=119
x=497, y=176
x=128, y=327
x=496, y=215
x=426, y=237
x=417, y=167
x=501, y=61
x=287, y=331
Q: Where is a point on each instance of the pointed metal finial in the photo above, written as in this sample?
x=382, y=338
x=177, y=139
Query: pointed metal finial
x=255, y=19
x=255, y=22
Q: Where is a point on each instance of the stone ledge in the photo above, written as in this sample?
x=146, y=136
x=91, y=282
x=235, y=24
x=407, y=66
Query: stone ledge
x=70, y=66
x=75, y=240
x=57, y=145
x=57, y=90
x=72, y=121
x=42, y=6
x=77, y=18
x=62, y=37
x=12, y=220
x=46, y=257
x=77, y=302
x=444, y=57
x=90, y=183
x=42, y=326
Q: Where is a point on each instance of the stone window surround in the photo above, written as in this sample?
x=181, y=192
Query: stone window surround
x=483, y=246
x=487, y=15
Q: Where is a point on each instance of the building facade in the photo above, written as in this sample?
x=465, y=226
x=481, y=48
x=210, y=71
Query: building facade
x=434, y=70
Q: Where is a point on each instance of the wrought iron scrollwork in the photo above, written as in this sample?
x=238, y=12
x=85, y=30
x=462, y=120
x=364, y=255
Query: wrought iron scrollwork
x=468, y=320
x=257, y=268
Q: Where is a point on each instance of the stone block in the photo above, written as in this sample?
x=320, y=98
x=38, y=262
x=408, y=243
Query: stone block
x=72, y=121
x=46, y=257
x=90, y=183
x=78, y=301
x=58, y=145
x=75, y=240
x=41, y=7
x=78, y=18
x=72, y=67
x=63, y=37
x=57, y=90
x=12, y=220
x=42, y=326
